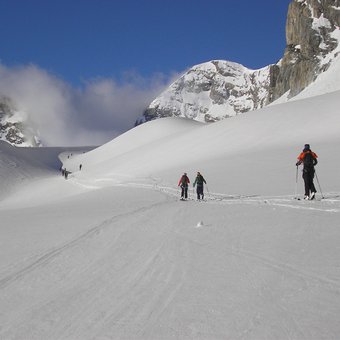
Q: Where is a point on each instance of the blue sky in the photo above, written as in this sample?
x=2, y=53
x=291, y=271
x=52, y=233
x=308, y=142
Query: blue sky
x=83, y=39
x=83, y=71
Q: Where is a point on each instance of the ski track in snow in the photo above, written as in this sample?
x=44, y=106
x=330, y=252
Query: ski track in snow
x=285, y=268
x=47, y=257
x=329, y=203
x=134, y=284
x=137, y=308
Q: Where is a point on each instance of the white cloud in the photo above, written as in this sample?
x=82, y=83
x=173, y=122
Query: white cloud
x=91, y=115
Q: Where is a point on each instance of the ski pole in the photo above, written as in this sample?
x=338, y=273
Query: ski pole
x=296, y=181
x=208, y=190
x=317, y=179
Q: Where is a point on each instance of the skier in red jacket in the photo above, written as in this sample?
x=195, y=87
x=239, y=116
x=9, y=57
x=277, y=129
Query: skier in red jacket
x=309, y=159
x=183, y=183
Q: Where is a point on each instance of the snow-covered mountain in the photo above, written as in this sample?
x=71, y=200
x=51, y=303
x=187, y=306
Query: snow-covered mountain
x=211, y=91
x=14, y=127
x=220, y=89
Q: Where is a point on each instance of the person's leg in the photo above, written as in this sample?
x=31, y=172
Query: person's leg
x=200, y=191
x=306, y=180
x=312, y=186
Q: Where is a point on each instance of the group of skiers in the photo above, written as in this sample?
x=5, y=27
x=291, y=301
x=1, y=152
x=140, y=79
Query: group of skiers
x=184, y=184
x=65, y=172
x=307, y=157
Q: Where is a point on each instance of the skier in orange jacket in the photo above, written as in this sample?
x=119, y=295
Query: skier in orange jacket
x=309, y=159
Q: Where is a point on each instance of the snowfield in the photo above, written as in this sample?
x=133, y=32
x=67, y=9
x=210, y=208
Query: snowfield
x=111, y=252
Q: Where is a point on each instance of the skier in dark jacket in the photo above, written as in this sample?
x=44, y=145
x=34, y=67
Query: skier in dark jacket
x=200, y=187
x=183, y=183
x=309, y=159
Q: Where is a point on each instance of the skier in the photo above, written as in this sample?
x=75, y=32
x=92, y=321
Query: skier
x=309, y=160
x=183, y=183
x=199, y=181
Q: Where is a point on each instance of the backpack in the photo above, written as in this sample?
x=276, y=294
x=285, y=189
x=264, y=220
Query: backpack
x=199, y=180
x=308, y=161
x=184, y=180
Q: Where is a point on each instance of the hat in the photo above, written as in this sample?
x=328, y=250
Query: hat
x=307, y=147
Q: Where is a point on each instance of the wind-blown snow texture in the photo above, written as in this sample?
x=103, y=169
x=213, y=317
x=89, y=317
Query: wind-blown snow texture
x=111, y=253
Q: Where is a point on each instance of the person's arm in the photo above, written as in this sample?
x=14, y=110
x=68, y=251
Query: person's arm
x=300, y=159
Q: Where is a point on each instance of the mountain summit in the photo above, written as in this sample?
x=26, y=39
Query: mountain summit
x=219, y=89
x=13, y=125
x=211, y=91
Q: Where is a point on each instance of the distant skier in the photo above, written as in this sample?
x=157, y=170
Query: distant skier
x=80, y=166
x=200, y=186
x=309, y=159
x=183, y=183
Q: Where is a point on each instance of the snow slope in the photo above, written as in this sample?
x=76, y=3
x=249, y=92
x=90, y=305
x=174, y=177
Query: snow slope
x=111, y=253
x=237, y=155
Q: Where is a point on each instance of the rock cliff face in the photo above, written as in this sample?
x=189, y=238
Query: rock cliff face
x=310, y=35
x=13, y=126
x=220, y=89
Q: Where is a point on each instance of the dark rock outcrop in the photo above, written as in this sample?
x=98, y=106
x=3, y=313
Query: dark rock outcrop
x=309, y=28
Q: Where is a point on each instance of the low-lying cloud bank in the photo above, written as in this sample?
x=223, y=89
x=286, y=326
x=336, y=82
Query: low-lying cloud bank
x=91, y=115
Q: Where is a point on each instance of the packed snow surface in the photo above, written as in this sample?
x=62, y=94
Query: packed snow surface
x=112, y=253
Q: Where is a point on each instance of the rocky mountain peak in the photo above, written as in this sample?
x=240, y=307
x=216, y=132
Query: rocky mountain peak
x=212, y=91
x=219, y=89
x=13, y=125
